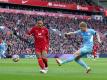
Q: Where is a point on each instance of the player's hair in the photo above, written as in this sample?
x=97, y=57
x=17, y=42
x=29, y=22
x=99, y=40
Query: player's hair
x=83, y=23
x=40, y=20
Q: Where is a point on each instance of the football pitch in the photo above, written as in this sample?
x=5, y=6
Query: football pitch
x=27, y=69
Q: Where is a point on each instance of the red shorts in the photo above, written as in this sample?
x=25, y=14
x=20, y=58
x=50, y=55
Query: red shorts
x=95, y=50
x=39, y=49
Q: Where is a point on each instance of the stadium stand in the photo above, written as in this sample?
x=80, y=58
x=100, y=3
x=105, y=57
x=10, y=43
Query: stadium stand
x=21, y=22
x=79, y=2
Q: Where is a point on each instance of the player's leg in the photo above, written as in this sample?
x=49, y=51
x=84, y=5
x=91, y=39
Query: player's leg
x=39, y=58
x=45, y=59
x=76, y=54
x=44, y=56
x=2, y=53
x=94, y=54
x=81, y=52
x=94, y=51
x=83, y=64
x=84, y=51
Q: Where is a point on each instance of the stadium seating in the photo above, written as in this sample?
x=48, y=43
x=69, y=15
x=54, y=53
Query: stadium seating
x=22, y=22
x=80, y=2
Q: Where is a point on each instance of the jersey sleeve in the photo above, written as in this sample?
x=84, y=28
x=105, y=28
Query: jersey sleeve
x=93, y=31
x=77, y=32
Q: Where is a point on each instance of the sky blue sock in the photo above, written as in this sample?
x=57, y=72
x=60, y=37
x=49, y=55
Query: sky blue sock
x=69, y=59
x=82, y=63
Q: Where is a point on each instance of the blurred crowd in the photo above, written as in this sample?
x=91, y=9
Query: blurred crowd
x=81, y=2
x=21, y=23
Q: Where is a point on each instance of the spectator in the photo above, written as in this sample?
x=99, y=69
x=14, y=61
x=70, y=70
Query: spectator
x=21, y=22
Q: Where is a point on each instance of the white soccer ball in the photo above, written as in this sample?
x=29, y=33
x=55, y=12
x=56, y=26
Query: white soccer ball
x=15, y=58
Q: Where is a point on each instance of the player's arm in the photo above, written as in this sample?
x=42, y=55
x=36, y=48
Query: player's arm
x=30, y=32
x=69, y=33
x=72, y=33
x=16, y=33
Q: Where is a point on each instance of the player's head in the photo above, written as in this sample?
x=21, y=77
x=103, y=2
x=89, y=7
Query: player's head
x=83, y=26
x=40, y=23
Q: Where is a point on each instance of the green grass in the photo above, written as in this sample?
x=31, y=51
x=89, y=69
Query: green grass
x=27, y=69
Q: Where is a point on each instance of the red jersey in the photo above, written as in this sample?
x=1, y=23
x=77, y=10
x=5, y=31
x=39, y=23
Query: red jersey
x=41, y=35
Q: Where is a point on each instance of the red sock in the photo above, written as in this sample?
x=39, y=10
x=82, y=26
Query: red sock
x=41, y=63
x=45, y=60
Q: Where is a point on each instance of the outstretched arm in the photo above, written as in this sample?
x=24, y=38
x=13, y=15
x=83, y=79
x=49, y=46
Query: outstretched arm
x=72, y=33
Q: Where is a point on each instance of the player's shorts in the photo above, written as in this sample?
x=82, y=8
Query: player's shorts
x=39, y=49
x=86, y=50
x=94, y=52
x=95, y=49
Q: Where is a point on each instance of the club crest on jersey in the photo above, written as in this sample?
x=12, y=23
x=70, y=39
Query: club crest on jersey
x=42, y=30
x=88, y=33
x=39, y=34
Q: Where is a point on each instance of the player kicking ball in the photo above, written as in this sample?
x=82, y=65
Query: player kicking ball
x=87, y=47
x=3, y=44
x=3, y=47
x=95, y=48
x=41, y=43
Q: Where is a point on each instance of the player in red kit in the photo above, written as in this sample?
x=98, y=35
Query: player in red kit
x=41, y=43
x=95, y=47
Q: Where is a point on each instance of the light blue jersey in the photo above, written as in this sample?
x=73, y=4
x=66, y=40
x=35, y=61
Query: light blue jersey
x=3, y=48
x=3, y=31
x=87, y=40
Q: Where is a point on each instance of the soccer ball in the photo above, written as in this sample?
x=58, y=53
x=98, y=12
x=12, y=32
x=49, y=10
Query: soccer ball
x=15, y=58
